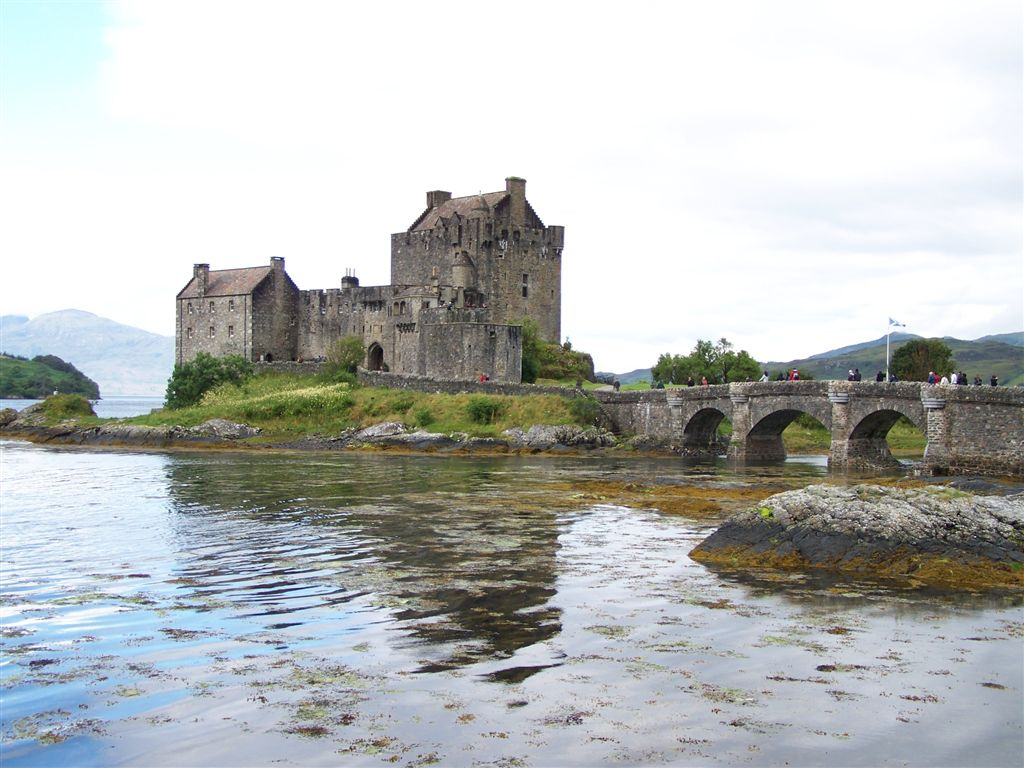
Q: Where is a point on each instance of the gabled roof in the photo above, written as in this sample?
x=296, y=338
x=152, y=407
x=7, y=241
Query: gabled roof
x=227, y=282
x=465, y=207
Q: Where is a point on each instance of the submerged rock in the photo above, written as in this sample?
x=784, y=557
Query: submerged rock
x=934, y=534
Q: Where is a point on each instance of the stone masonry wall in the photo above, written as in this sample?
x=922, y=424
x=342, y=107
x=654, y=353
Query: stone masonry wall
x=983, y=426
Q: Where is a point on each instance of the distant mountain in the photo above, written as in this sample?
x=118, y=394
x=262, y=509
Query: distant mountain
x=121, y=359
x=640, y=374
x=980, y=357
x=1013, y=339
x=893, y=338
x=999, y=354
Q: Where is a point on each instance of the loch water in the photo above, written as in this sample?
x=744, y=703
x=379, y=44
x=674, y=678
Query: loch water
x=282, y=608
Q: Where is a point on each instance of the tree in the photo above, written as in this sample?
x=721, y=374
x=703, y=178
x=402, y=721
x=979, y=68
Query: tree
x=532, y=350
x=914, y=360
x=190, y=381
x=718, y=363
x=343, y=357
x=670, y=369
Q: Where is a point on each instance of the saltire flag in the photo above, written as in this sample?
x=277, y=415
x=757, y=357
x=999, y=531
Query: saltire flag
x=893, y=322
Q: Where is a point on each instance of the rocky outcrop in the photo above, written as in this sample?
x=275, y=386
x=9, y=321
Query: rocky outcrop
x=32, y=424
x=386, y=435
x=546, y=438
x=934, y=534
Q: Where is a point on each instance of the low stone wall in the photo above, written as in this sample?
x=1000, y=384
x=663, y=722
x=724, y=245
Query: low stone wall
x=456, y=386
x=300, y=368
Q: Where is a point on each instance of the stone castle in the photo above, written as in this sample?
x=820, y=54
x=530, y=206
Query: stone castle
x=464, y=277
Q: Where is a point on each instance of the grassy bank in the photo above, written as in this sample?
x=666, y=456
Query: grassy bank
x=289, y=407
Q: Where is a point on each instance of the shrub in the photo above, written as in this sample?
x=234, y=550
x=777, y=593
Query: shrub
x=190, y=381
x=484, y=410
x=423, y=417
x=67, y=406
x=585, y=410
x=343, y=357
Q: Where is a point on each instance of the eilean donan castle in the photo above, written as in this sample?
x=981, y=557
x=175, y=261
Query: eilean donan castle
x=464, y=276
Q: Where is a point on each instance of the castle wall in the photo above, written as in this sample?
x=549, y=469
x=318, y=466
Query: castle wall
x=216, y=325
x=453, y=347
x=274, y=312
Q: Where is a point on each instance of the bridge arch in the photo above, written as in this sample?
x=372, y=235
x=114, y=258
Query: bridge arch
x=867, y=443
x=764, y=440
x=700, y=432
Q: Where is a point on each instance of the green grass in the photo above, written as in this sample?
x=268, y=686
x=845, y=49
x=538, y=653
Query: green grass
x=288, y=407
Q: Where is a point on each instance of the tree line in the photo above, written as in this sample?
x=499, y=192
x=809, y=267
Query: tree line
x=719, y=363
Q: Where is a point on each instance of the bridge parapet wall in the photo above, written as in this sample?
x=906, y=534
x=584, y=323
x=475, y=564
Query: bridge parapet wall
x=974, y=429
x=639, y=412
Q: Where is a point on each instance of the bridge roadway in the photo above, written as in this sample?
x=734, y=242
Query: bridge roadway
x=969, y=429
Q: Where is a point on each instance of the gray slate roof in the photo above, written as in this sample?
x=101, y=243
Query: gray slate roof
x=227, y=282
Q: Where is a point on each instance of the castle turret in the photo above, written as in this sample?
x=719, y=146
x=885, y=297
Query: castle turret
x=463, y=271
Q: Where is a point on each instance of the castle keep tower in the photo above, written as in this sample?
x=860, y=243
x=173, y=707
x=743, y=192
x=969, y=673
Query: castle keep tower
x=498, y=238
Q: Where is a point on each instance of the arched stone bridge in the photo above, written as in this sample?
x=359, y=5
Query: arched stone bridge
x=968, y=428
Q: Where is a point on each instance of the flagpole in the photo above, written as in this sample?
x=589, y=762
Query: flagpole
x=887, y=351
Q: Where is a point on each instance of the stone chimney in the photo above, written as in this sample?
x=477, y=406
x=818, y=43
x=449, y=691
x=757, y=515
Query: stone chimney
x=277, y=262
x=516, y=189
x=201, y=274
x=437, y=197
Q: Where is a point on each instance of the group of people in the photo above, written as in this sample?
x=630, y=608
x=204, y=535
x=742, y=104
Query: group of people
x=959, y=378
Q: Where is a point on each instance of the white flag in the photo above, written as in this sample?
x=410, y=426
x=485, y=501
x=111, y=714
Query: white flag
x=893, y=322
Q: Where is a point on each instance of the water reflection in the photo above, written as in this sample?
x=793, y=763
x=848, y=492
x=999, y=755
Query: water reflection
x=274, y=608
x=444, y=546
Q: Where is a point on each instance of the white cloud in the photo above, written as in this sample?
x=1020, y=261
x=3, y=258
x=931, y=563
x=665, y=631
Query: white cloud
x=787, y=175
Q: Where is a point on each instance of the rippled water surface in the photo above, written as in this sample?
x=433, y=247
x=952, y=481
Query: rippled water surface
x=238, y=609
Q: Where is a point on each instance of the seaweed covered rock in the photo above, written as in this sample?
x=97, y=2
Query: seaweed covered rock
x=934, y=534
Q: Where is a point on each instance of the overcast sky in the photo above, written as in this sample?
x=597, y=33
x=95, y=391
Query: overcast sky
x=788, y=175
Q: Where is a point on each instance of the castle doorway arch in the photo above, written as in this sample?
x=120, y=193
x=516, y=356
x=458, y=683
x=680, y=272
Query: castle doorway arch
x=375, y=357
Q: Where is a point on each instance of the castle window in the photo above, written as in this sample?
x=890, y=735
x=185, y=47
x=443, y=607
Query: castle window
x=526, y=287
x=190, y=307
x=231, y=305
x=188, y=333
x=211, y=307
x=231, y=331
x=211, y=332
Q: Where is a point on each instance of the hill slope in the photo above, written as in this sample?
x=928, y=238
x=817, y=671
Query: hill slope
x=41, y=377
x=982, y=357
x=121, y=359
x=1000, y=354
